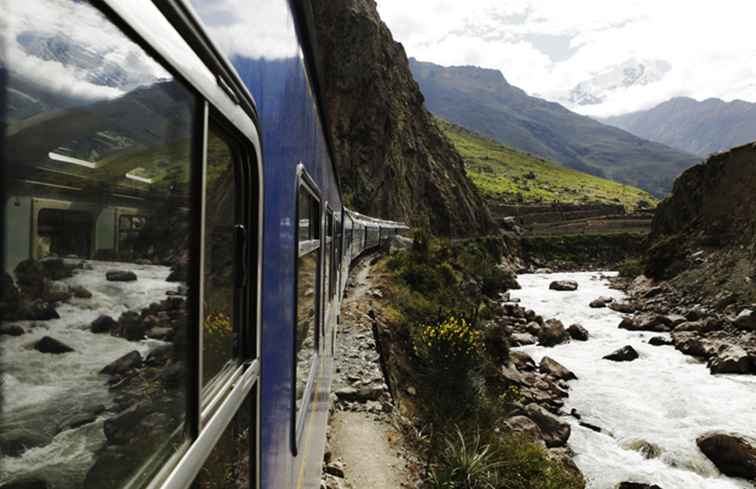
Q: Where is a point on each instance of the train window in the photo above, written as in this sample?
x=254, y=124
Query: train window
x=329, y=253
x=94, y=371
x=220, y=329
x=338, y=253
x=308, y=293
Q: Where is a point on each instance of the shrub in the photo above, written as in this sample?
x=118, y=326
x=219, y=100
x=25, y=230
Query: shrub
x=630, y=268
x=449, y=352
x=510, y=462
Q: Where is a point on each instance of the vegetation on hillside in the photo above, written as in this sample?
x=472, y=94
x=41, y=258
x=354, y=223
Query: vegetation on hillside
x=508, y=175
x=444, y=295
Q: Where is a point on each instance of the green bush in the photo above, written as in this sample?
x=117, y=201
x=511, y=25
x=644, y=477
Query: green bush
x=630, y=268
x=509, y=462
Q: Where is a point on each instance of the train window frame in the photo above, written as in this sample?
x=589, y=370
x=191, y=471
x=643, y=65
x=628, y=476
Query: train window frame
x=305, y=183
x=245, y=219
x=212, y=98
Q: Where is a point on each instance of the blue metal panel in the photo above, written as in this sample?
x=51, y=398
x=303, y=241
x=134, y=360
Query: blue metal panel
x=260, y=39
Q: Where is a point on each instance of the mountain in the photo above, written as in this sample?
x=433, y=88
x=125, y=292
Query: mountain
x=506, y=175
x=703, y=128
x=614, y=80
x=482, y=100
x=392, y=159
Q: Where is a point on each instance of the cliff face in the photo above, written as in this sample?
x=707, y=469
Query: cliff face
x=712, y=209
x=393, y=160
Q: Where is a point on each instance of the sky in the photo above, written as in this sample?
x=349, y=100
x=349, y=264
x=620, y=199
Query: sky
x=547, y=47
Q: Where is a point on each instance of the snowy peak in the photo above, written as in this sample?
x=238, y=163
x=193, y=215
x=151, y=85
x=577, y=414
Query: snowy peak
x=631, y=73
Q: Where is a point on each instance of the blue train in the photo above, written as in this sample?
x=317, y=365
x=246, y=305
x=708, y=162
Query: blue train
x=175, y=245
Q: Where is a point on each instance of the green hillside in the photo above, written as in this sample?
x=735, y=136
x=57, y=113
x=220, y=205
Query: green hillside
x=507, y=175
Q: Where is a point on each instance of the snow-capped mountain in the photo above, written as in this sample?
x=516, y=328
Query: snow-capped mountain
x=604, y=84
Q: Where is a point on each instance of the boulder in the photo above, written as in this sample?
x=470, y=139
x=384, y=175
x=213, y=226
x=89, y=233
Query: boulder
x=522, y=361
x=657, y=323
x=80, y=292
x=746, y=320
x=625, y=354
x=524, y=426
x=659, y=341
x=522, y=339
x=56, y=269
x=11, y=330
x=552, y=333
x=31, y=277
x=577, y=332
x=563, y=285
x=647, y=449
x=692, y=344
x=130, y=326
x=9, y=293
x=555, y=432
x=160, y=333
x=549, y=366
x=103, y=324
x=47, y=344
x=56, y=292
x=636, y=485
x=120, y=276
x=38, y=310
x=732, y=360
x=623, y=307
x=123, y=364
x=733, y=454
x=600, y=302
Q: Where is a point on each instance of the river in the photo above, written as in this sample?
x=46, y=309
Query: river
x=664, y=397
x=41, y=391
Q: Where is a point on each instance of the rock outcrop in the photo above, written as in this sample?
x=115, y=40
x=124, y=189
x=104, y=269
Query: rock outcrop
x=734, y=455
x=393, y=159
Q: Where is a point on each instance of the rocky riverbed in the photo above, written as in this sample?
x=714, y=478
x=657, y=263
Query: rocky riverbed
x=657, y=416
x=91, y=387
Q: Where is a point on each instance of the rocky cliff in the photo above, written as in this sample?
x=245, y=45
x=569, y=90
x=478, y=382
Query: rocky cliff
x=712, y=209
x=392, y=158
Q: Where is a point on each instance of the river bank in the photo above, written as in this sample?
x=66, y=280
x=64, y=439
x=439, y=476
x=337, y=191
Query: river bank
x=639, y=420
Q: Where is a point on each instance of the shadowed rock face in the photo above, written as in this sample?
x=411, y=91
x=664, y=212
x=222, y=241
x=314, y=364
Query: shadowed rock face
x=393, y=160
x=712, y=206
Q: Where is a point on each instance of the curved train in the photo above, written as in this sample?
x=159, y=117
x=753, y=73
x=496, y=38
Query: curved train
x=175, y=245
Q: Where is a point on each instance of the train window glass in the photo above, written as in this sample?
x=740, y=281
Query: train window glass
x=330, y=245
x=308, y=292
x=94, y=376
x=220, y=329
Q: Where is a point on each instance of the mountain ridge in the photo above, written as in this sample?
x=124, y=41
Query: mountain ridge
x=472, y=97
x=702, y=127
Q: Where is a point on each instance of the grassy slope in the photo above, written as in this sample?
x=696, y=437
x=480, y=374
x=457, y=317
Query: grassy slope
x=501, y=173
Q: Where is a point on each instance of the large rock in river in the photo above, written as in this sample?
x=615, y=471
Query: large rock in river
x=578, y=332
x=555, y=432
x=563, y=285
x=551, y=367
x=732, y=360
x=734, y=455
x=600, y=302
x=746, y=320
x=552, y=333
x=625, y=354
x=120, y=276
x=47, y=344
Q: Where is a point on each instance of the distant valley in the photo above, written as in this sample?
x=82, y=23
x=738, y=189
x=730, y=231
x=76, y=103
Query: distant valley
x=702, y=128
x=481, y=100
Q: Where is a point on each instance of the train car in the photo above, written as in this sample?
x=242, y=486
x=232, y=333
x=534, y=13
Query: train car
x=175, y=245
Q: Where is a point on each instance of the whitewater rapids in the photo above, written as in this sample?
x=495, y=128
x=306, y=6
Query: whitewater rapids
x=664, y=397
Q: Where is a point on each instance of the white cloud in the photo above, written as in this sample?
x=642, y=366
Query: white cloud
x=709, y=44
x=91, y=61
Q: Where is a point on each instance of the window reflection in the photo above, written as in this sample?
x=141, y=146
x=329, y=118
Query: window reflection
x=308, y=276
x=97, y=223
x=219, y=331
